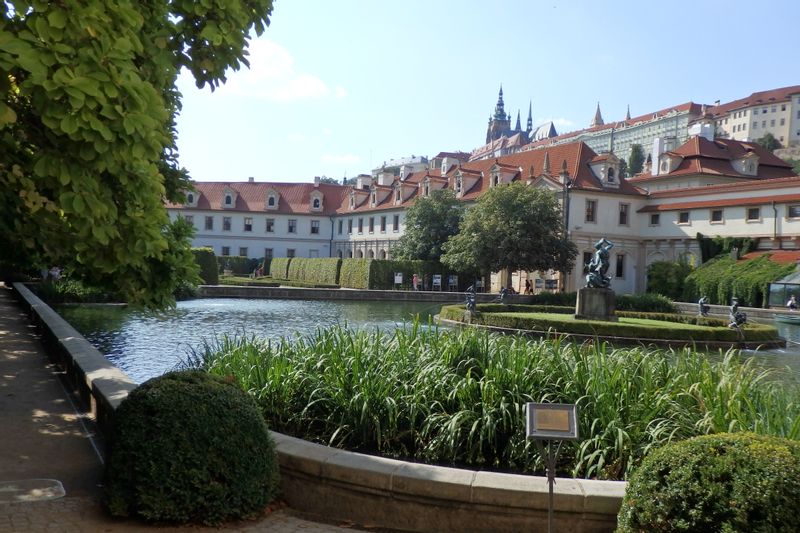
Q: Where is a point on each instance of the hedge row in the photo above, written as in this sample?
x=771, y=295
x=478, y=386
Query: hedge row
x=279, y=267
x=527, y=321
x=355, y=273
x=209, y=272
x=314, y=270
x=238, y=264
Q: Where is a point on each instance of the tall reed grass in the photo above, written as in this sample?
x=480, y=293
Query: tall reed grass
x=457, y=397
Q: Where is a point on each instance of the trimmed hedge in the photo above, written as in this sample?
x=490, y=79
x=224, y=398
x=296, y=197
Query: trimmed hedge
x=209, y=271
x=650, y=303
x=723, y=482
x=355, y=273
x=238, y=264
x=314, y=270
x=530, y=321
x=279, y=267
x=189, y=447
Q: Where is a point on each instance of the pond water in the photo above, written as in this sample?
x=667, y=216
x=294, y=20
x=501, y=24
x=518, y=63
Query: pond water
x=146, y=344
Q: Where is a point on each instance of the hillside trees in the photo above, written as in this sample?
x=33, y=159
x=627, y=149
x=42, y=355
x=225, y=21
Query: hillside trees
x=512, y=227
x=87, y=132
x=429, y=223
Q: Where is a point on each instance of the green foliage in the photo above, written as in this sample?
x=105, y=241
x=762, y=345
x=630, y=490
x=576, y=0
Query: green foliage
x=87, y=132
x=382, y=273
x=248, y=281
x=429, y=223
x=512, y=227
x=323, y=270
x=769, y=142
x=279, y=267
x=795, y=164
x=635, y=326
x=726, y=482
x=712, y=247
x=723, y=278
x=635, y=160
x=457, y=396
x=668, y=278
x=238, y=264
x=206, y=260
x=68, y=290
x=189, y=447
x=651, y=303
x=355, y=273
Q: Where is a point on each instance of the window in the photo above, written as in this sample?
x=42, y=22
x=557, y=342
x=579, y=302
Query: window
x=209, y=223
x=459, y=184
x=755, y=125
x=587, y=258
x=339, y=229
x=397, y=195
x=623, y=214
x=655, y=219
x=372, y=224
x=243, y=251
x=271, y=201
x=783, y=122
x=292, y=225
x=772, y=123
x=315, y=227
x=591, y=211
x=383, y=224
x=228, y=200
x=226, y=223
x=620, y=266
x=794, y=211
x=190, y=198
x=744, y=127
x=774, y=108
x=716, y=215
x=248, y=224
x=783, y=107
x=226, y=250
x=373, y=198
x=189, y=219
x=313, y=253
x=350, y=226
x=764, y=111
x=396, y=223
x=611, y=175
x=361, y=225
x=315, y=205
x=683, y=217
x=267, y=253
x=763, y=123
x=290, y=252
x=270, y=225
x=753, y=214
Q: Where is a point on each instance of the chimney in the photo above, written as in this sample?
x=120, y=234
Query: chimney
x=316, y=181
x=251, y=179
x=658, y=149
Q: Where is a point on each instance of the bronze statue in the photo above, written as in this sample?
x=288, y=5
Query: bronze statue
x=598, y=266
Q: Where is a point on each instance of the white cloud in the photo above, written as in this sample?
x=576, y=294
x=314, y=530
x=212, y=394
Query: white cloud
x=340, y=92
x=341, y=158
x=273, y=76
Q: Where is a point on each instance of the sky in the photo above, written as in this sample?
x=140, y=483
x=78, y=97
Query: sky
x=337, y=88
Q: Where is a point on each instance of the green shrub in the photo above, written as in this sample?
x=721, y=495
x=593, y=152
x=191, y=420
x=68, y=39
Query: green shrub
x=209, y=271
x=723, y=278
x=67, y=290
x=555, y=298
x=279, y=267
x=238, y=264
x=668, y=278
x=648, y=303
x=355, y=273
x=189, y=447
x=322, y=270
x=713, y=247
x=724, y=482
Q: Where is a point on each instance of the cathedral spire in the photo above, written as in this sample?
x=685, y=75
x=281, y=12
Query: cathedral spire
x=530, y=117
x=628, y=114
x=598, y=118
x=499, y=109
x=518, y=127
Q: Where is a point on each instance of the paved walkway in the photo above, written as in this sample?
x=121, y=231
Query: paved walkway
x=44, y=440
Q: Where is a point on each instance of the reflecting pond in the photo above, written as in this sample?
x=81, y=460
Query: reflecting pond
x=145, y=344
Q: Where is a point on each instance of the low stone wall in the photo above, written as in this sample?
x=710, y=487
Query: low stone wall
x=335, y=484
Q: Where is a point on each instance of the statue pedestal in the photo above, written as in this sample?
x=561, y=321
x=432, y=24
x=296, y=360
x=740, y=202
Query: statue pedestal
x=596, y=304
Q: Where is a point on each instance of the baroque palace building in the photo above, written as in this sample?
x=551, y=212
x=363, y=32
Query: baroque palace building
x=704, y=185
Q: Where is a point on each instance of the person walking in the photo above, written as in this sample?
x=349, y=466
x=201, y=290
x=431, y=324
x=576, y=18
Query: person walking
x=415, y=282
x=792, y=303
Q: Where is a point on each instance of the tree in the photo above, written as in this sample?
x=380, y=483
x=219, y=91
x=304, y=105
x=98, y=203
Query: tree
x=429, y=223
x=326, y=179
x=635, y=160
x=769, y=142
x=87, y=132
x=514, y=227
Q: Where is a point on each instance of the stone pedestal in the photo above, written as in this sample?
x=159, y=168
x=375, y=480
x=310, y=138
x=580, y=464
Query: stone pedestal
x=596, y=304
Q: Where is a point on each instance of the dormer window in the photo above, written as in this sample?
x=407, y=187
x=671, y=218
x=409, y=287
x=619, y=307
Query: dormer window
x=665, y=166
x=352, y=201
x=397, y=197
x=271, y=201
x=373, y=199
x=426, y=189
x=228, y=200
x=459, y=184
x=495, y=180
x=315, y=204
x=190, y=198
x=611, y=175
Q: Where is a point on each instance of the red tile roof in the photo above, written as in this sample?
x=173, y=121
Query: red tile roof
x=750, y=185
x=772, y=96
x=725, y=202
x=783, y=257
x=252, y=196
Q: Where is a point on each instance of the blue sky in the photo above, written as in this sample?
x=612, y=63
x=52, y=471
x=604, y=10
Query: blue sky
x=336, y=88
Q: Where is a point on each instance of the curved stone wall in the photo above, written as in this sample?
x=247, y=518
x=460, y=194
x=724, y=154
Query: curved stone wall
x=335, y=484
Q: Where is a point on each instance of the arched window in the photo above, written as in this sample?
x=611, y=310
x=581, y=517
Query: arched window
x=190, y=198
x=397, y=195
x=382, y=254
x=271, y=201
x=350, y=254
x=610, y=174
x=228, y=199
x=340, y=254
x=316, y=203
x=371, y=254
x=360, y=254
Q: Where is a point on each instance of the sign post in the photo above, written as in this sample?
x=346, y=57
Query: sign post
x=549, y=422
x=398, y=280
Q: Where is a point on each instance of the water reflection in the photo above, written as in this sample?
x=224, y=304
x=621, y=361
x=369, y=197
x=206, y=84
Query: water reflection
x=146, y=344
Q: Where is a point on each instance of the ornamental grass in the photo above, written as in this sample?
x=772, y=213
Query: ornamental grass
x=456, y=397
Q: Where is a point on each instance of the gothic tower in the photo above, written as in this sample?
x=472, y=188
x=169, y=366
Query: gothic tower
x=500, y=122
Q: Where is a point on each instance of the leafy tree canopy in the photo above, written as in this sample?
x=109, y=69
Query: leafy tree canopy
x=769, y=142
x=635, y=160
x=87, y=131
x=513, y=227
x=429, y=223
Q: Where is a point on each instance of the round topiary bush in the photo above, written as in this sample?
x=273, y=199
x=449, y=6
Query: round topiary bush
x=725, y=482
x=189, y=447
